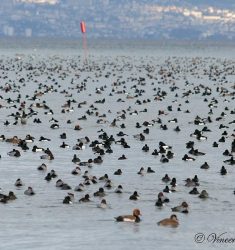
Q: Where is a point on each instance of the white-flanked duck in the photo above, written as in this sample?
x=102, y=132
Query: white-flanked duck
x=130, y=218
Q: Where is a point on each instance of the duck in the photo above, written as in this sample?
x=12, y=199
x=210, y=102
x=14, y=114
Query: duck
x=177, y=129
x=188, y=158
x=53, y=174
x=183, y=208
x=139, y=137
x=118, y=172
x=164, y=145
x=4, y=199
x=2, y=138
x=86, y=198
x=44, y=139
x=166, y=190
x=170, y=155
x=98, y=160
x=29, y=138
x=227, y=153
x=190, y=183
x=195, y=179
x=146, y=131
x=190, y=144
x=141, y=171
x=230, y=161
x=121, y=134
x=108, y=184
x=75, y=159
x=54, y=126
x=223, y=171
x=163, y=197
x=119, y=189
x=86, y=163
x=63, y=136
x=64, y=145
x=123, y=157
x=173, y=182
x=71, y=195
x=173, y=120
x=94, y=179
x=13, y=140
x=84, y=140
x=203, y=194
x=171, y=222
x=15, y=153
x=155, y=152
x=194, y=191
x=76, y=171
x=79, y=188
x=135, y=196
x=195, y=152
x=164, y=159
x=29, y=191
x=150, y=170
x=59, y=183
x=42, y=167
x=11, y=196
x=23, y=145
x=48, y=177
x=77, y=127
x=130, y=218
x=100, y=192
x=138, y=125
x=37, y=149
x=159, y=203
x=47, y=157
x=79, y=146
x=145, y=148
x=67, y=200
x=201, y=137
x=113, y=123
x=205, y=165
x=103, y=204
x=173, y=187
x=105, y=177
x=166, y=178
x=19, y=183
x=65, y=186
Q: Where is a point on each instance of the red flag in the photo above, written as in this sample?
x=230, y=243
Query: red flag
x=83, y=27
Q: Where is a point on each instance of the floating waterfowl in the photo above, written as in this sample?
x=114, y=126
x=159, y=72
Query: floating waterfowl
x=19, y=183
x=42, y=167
x=103, y=204
x=171, y=222
x=130, y=218
x=203, y=194
x=135, y=196
x=183, y=208
x=86, y=198
x=29, y=191
x=118, y=172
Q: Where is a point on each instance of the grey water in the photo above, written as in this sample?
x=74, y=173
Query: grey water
x=42, y=221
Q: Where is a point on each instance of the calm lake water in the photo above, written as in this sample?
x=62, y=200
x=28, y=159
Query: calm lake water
x=42, y=221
